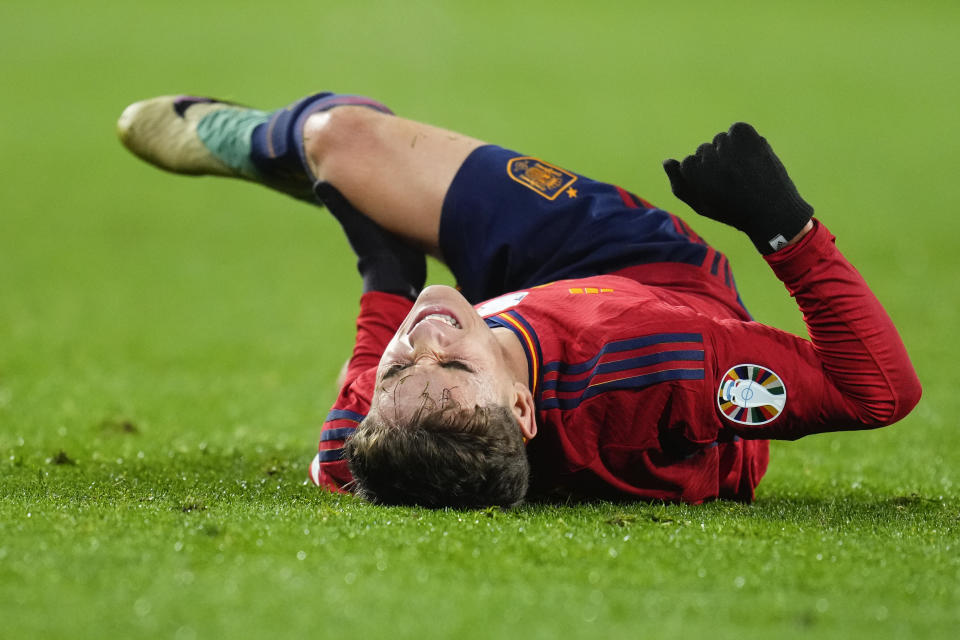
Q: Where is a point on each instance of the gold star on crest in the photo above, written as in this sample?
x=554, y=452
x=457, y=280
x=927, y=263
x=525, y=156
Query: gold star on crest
x=571, y=193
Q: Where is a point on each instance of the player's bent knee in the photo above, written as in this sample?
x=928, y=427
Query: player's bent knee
x=338, y=133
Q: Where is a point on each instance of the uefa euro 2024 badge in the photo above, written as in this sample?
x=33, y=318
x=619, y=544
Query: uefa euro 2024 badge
x=751, y=394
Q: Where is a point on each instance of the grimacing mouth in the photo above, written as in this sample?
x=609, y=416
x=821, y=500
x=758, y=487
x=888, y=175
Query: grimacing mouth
x=438, y=313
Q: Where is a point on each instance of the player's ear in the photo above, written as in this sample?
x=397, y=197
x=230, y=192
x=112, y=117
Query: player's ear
x=524, y=410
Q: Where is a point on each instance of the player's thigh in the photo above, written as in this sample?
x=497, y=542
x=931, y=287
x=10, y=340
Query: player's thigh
x=396, y=171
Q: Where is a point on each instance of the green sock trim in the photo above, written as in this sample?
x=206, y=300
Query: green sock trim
x=227, y=133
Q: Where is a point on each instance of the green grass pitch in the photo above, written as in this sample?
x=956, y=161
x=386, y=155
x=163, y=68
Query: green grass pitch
x=168, y=346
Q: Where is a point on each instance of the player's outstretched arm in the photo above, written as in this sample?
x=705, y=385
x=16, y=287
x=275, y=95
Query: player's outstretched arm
x=858, y=351
x=737, y=179
x=856, y=374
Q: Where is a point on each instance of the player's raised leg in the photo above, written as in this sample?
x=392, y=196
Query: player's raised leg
x=394, y=170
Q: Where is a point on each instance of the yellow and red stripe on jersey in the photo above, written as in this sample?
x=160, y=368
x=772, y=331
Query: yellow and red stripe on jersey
x=528, y=338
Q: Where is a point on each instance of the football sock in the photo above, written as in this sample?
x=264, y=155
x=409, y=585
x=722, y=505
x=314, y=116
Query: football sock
x=268, y=146
x=226, y=133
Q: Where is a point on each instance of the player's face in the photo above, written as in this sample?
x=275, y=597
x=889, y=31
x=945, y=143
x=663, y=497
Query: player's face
x=443, y=353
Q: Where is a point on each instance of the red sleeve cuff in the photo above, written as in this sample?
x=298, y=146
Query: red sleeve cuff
x=792, y=262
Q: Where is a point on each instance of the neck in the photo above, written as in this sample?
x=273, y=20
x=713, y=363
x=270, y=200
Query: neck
x=514, y=355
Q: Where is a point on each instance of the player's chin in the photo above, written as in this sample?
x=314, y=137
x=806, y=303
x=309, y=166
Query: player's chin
x=441, y=294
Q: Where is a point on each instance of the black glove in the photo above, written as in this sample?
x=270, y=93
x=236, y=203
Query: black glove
x=738, y=180
x=385, y=262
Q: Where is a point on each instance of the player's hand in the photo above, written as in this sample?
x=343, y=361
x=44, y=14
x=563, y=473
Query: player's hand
x=738, y=180
x=385, y=262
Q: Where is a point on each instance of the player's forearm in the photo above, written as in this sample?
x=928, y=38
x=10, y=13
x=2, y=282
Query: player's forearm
x=859, y=347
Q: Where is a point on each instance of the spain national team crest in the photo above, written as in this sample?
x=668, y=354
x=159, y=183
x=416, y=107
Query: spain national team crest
x=751, y=394
x=544, y=178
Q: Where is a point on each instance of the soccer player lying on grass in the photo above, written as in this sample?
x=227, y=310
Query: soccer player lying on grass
x=597, y=346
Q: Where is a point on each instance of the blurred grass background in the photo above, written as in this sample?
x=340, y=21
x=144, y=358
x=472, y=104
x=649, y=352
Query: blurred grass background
x=165, y=332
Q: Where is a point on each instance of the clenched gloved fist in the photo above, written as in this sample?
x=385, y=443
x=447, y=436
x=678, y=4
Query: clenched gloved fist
x=738, y=180
x=385, y=262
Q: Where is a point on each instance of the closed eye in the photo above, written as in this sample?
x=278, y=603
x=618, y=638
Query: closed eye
x=457, y=364
x=395, y=369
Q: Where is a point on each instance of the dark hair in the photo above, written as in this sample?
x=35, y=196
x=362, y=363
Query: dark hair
x=451, y=457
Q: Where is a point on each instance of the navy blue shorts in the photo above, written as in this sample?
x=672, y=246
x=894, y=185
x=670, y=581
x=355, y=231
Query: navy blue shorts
x=510, y=222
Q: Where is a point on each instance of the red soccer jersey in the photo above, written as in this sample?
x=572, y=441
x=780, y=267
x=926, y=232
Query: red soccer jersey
x=668, y=392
